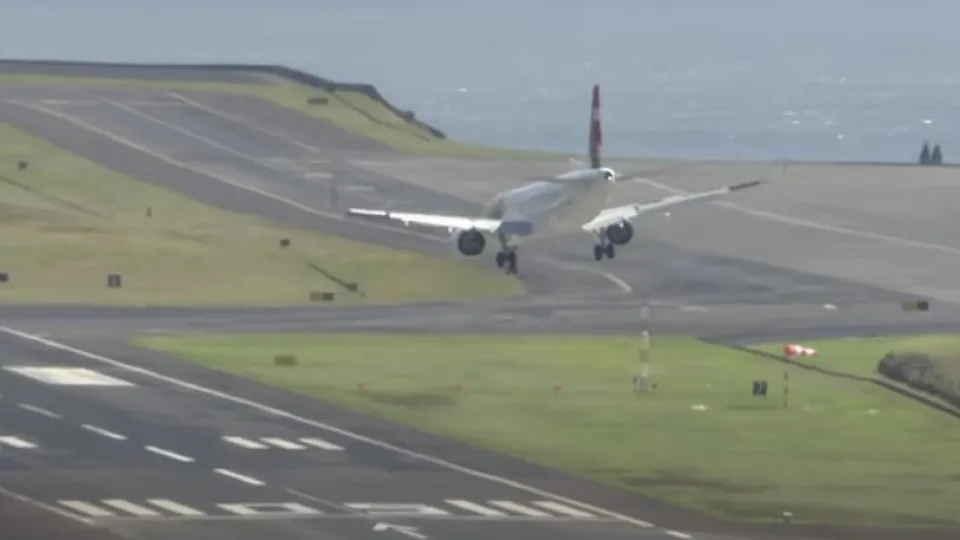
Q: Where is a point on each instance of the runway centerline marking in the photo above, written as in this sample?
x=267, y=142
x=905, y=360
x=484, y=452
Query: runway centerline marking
x=240, y=477
x=169, y=454
x=38, y=410
x=322, y=426
x=105, y=432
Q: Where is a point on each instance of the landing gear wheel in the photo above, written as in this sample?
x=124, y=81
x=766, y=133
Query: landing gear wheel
x=610, y=251
x=507, y=260
x=512, y=262
x=598, y=252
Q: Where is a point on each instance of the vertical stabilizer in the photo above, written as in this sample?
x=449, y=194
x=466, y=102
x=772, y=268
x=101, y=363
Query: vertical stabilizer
x=596, y=136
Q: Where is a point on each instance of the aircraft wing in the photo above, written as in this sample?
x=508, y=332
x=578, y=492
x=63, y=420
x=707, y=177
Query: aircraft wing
x=613, y=216
x=430, y=220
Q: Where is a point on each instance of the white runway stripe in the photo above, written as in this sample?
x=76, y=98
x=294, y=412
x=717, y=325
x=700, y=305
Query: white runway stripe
x=237, y=476
x=104, y=432
x=175, y=507
x=87, y=508
x=286, y=445
x=519, y=508
x=246, y=443
x=130, y=507
x=16, y=442
x=38, y=410
x=474, y=507
x=169, y=454
x=562, y=509
x=678, y=534
x=320, y=443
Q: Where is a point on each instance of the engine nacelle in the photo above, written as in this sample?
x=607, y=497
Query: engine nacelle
x=620, y=234
x=609, y=175
x=471, y=242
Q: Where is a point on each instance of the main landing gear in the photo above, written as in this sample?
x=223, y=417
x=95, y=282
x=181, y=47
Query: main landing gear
x=604, y=247
x=507, y=260
x=604, y=250
x=507, y=256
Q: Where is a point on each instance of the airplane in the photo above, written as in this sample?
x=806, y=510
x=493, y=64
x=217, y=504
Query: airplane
x=573, y=202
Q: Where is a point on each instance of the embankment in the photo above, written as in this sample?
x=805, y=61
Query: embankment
x=203, y=71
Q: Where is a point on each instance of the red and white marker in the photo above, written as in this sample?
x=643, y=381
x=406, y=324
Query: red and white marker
x=791, y=350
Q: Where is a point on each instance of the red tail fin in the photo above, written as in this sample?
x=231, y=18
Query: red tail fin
x=596, y=136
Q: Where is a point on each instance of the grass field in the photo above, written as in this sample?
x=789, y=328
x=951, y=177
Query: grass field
x=840, y=452
x=66, y=222
x=860, y=356
x=352, y=111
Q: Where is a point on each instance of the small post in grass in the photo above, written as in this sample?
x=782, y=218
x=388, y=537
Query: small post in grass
x=786, y=387
x=641, y=383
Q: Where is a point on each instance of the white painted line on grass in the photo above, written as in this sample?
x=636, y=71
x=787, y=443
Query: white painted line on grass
x=106, y=433
x=169, y=454
x=319, y=425
x=38, y=410
x=237, y=476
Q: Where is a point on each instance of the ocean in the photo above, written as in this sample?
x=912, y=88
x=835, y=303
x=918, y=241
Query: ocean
x=838, y=80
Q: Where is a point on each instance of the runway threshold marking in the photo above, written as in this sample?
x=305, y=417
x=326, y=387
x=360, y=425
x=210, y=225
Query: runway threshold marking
x=267, y=442
x=167, y=509
x=280, y=413
x=65, y=375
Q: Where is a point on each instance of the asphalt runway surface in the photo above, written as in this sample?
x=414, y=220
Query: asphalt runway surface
x=731, y=273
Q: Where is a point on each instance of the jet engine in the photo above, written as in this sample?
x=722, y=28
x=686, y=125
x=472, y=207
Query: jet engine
x=471, y=242
x=620, y=233
x=609, y=175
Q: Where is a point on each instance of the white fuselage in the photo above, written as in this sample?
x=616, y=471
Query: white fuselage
x=555, y=207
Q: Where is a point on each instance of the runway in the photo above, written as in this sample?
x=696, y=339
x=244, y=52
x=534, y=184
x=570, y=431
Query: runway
x=175, y=451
